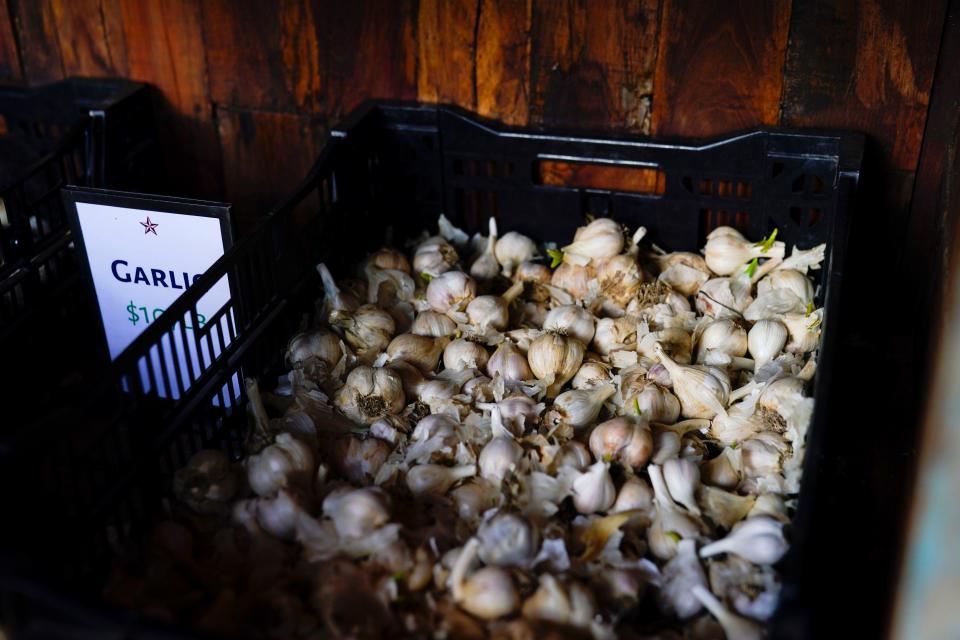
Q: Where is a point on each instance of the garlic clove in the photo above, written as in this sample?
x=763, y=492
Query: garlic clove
x=435, y=257
x=734, y=627
x=465, y=354
x=680, y=575
x=804, y=329
x=578, y=409
x=703, y=392
x=682, y=478
x=367, y=330
x=591, y=375
x=666, y=445
x=435, y=479
x=498, y=457
x=474, y=497
x=593, y=491
x=486, y=267
x=758, y=539
x=507, y=540
x=389, y=259
x=513, y=249
x=488, y=312
x=725, y=470
x=434, y=325
x=574, y=280
x=510, y=363
x=725, y=335
x=573, y=454
x=635, y=494
x=488, y=593
x=560, y=604
x=285, y=463
x=357, y=512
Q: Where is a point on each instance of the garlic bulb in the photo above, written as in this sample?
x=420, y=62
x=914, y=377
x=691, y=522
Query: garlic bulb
x=554, y=355
x=370, y=393
x=682, y=478
x=465, y=354
x=451, y=291
x=433, y=325
x=434, y=257
x=533, y=272
x=493, y=311
x=358, y=459
x=507, y=540
x=420, y=351
x=703, y=392
x=485, y=267
x=654, y=403
x=620, y=278
x=498, y=457
x=758, y=539
x=790, y=280
x=357, y=512
x=574, y=279
x=207, y=483
x=674, y=341
x=513, y=249
x=602, y=238
x=321, y=347
x=680, y=575
x=723, y=335
x=571, y=320
x=389, y=259
x=435, y=479
x=666, y=445
x=659, y=374
x=723, y=298
x=578, y=409
x=286, y=462
x=591, y=374
x=635, y=494
x=387, y=287
x=725, y=254
x=517, y=412
x=684, y=272
x=766, y=340
x=367, y=330
x=613, y=334
x=488, y=593
x=623, y=439
x=510, y=363
x=410, y=377
x=573, y=454
x=593, y=491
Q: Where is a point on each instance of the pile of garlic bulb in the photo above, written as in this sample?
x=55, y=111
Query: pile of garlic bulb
x=474, y=442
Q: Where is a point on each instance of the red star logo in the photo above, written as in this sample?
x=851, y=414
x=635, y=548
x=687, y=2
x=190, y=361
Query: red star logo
x=149, y=227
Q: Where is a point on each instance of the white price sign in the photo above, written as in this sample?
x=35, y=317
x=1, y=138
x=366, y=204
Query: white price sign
x=142, y=253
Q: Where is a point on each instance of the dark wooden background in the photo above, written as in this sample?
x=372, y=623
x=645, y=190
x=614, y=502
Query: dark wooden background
x=247, y=89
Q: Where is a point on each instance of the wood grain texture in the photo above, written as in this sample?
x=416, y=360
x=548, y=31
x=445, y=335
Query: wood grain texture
x=38, y=39
x=447, y=44
x=265, y=155
x=82, y=33
x=9, y=54
x=262, y=55
x=503, y=60
x=593, y=63
x=165, y=48
x=369, y=52
x=719, y=67
x=865, y=65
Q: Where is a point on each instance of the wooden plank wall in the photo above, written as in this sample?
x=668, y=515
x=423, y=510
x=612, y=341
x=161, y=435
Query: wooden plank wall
x=247, y=89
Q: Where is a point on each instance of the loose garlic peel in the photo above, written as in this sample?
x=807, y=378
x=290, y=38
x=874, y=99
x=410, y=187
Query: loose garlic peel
x=517, y=421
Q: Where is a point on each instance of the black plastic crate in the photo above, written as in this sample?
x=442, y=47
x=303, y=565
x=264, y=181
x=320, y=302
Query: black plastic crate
x=80, y=131
x=386, y=174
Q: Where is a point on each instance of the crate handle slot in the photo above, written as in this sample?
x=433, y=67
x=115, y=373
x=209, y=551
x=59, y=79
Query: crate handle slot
x=604, y=176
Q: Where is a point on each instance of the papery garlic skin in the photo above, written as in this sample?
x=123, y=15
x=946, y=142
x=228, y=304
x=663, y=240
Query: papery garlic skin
x=513, y=249
x=623, y=439
x=434, y=257
x=591, y=374
x=619, y=278
x=554, y=355
x=451, y=291
x=370, y=393
x=613, y=334
x=434, y=325
x=285, y=462
x=571, y=320
x=593, y=491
